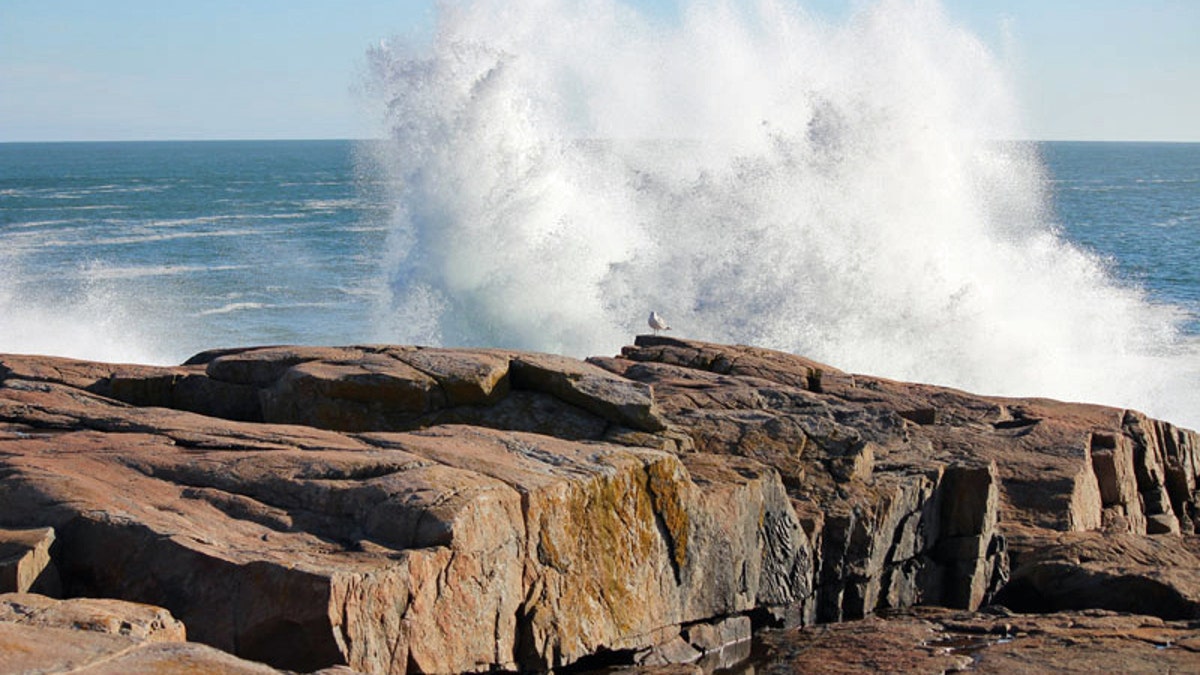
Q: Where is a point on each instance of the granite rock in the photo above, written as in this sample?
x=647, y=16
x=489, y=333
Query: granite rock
x=406, y=509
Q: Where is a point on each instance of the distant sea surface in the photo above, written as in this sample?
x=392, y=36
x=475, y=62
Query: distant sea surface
x=156, y=250
x=1138, y=206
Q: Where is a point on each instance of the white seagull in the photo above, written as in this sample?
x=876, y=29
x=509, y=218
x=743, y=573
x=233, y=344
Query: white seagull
x=657, y=323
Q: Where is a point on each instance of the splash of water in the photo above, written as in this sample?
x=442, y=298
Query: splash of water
x=758, y=176
x=97, y=322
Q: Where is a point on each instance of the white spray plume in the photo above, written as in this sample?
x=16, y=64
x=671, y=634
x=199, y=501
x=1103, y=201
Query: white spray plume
x=761, y=176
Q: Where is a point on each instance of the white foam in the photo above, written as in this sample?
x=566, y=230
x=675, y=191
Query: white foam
x=232, y=307
x=97, y=271
x=832, y=190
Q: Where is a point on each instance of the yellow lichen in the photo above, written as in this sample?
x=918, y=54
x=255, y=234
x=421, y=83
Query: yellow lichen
x=665, y=484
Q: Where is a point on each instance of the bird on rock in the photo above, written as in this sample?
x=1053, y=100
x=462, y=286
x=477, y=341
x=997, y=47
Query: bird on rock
x=657, y=323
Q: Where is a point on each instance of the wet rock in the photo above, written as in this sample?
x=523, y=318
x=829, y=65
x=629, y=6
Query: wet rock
x=676, y=650
x=713, y=637
x=867, y=646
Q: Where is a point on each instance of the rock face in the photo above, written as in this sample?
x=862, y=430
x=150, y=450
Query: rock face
x=403, y=509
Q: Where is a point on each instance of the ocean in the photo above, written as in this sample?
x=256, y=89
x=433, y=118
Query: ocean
x=1137, y=206
x=153, y=251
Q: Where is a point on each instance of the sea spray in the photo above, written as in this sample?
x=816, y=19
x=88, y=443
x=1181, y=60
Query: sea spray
x=93, y=322
x=758, y=175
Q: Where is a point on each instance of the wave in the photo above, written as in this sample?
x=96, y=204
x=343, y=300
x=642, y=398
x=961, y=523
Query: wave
x=253, y=306
x=152, y=237
x=332, y=204
x=101, y=271
x=82, y=207
x=34, y=224
x=757, y=175
x=232, y=307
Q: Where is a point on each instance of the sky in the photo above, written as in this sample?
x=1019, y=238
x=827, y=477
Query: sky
x=267, y=69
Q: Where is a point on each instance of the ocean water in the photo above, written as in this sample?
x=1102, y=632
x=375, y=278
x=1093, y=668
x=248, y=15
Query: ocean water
x=152, y=251
x=757, y=176
x=1137, y=205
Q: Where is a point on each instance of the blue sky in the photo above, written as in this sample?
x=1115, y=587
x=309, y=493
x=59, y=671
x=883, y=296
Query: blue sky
x=150, y=69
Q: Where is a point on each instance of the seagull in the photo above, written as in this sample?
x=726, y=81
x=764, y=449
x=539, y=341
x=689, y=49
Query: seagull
x=657, y=323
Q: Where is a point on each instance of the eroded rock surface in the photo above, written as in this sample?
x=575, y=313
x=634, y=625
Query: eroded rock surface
x=403, y=509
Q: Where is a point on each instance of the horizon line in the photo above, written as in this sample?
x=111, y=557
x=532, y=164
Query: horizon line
x=326, y=138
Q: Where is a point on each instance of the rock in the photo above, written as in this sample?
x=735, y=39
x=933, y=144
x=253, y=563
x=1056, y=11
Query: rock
x=594, y=389
x=40, y=634
x=713, y=637
x=928, y=522
x=178, y=657
x=875, y=493
x=117, y=617
x=936, y=640
x=868, y=646
x=676, y=650
x=29, y=649
x=1158, y=576
x=405, y=509
x=25, y=563
x=305, y=548
x=376, y=388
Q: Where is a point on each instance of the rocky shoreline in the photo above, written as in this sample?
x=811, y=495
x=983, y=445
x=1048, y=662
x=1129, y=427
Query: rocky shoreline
x=388, y=509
